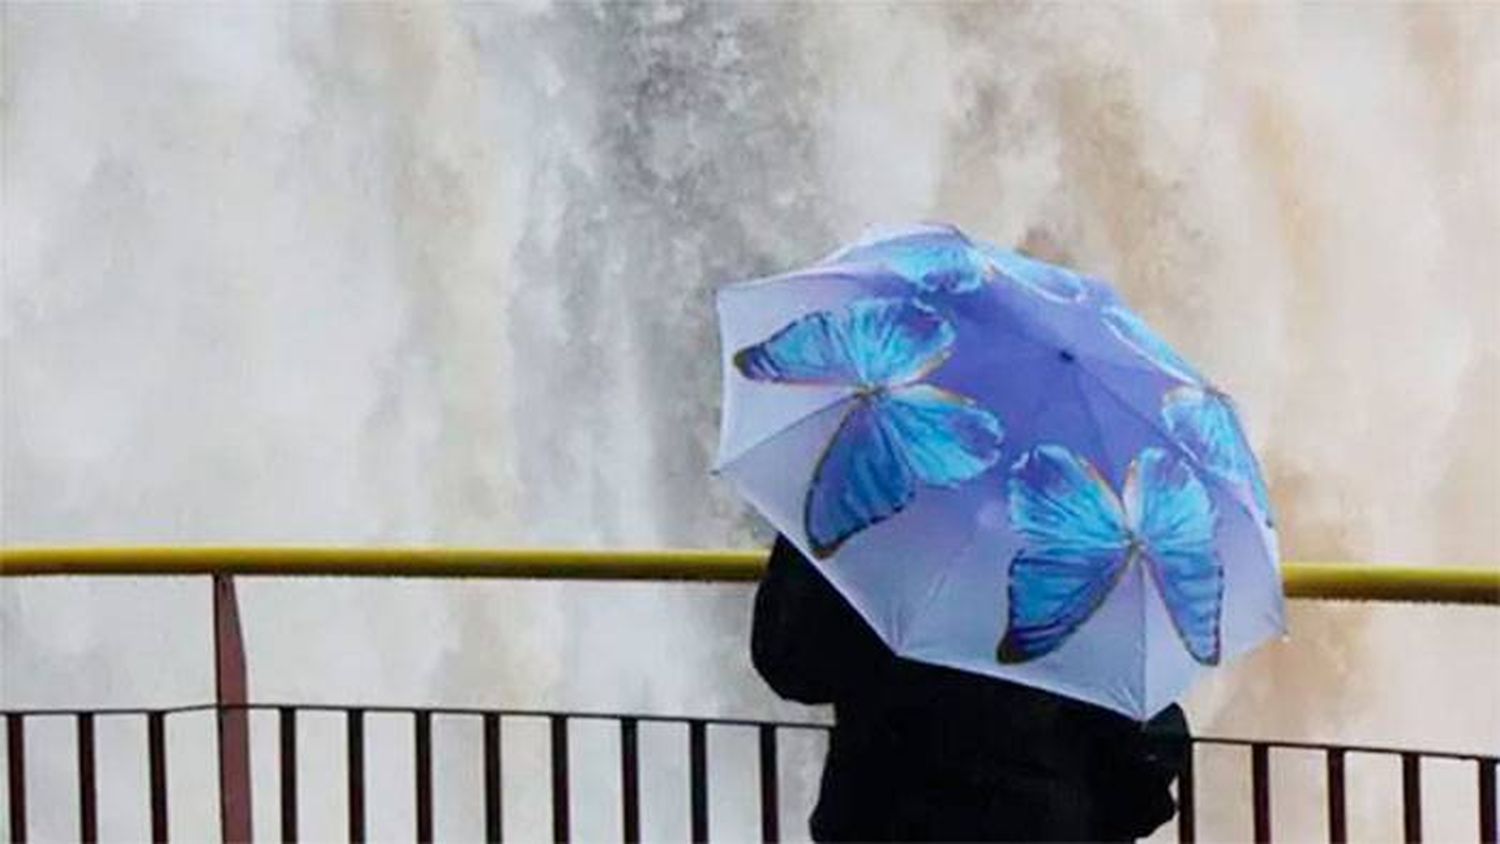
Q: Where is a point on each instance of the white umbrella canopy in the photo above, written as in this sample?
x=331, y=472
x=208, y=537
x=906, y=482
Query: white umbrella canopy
x=1001, y=467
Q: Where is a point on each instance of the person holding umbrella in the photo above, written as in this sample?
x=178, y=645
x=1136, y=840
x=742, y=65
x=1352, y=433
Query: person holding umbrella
x=919, y=752
x=1015, y=525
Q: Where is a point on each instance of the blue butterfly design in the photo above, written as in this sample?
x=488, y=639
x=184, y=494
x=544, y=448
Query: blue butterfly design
x=1199, y=415
x=896, y=432
x=1205, y=422
x=1079, y=538
x=939, y=258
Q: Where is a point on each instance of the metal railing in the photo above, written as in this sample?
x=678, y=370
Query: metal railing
x=627, y=725
x=232, y=708
x=1334, y=581
x=422, y=757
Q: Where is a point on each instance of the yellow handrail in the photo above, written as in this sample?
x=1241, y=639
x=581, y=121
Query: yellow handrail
x=1335, y=581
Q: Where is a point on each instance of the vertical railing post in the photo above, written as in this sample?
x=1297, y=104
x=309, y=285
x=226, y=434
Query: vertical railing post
x=630, y=782
x=1411, y=796
x=354, y=748
x=422, y=762
x=156, y=771
x=231, y=695
x=492, y=784
x=88, y=790
x=560, y=832
x=698, y=779
x=770, y=803
x=1187, y=812
x=288, y=727
x=15, y=762
x=1260, y=789
x=1338, y=820
x=1488, y=834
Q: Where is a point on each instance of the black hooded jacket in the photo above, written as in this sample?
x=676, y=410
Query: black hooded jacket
x=925, y=753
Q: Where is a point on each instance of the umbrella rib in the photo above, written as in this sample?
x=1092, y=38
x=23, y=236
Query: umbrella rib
x=940, y=581
x=1036, y=341
x=739, y=455
x=819, y=271
x=1210, y=475
x=1093, y=417
x=1136, y=364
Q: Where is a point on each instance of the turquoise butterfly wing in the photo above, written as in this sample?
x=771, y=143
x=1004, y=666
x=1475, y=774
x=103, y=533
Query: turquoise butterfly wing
x=897, y=433
x=885, y=446
x=1078, y=538
x=871, y=343
x=1074, y=543
x=1171, y=512
x=1206, y=424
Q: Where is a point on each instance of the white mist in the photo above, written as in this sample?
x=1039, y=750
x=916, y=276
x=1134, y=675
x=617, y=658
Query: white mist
x=440, y=275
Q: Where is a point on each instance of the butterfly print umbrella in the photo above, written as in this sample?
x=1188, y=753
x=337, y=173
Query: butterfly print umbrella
x=1002, y=467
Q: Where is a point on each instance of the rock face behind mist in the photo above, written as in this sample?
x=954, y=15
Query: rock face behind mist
x=378, y=275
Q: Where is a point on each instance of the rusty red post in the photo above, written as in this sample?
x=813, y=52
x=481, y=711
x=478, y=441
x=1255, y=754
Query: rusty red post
x=232, y=695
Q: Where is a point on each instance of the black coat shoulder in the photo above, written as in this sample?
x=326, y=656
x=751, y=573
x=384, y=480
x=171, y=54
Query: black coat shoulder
x=806, y=641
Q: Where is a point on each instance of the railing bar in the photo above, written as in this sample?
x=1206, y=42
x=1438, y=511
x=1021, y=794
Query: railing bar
x=770, y=803
x=88, y=789
x=570, y=714
x=1349, y=748
x=355, y=746
x=614, y=716
x=492, y=803
x=698, y=778
x=15, y=759
x=1187, y=818
x=1411, y=796
x=1260, y=776
x=669, y=719
x=288, y=730
x=1488, y=834
x=630, y=783
x=422, y=750
x=120, y=711
x=559, y=778
x=1335, y=760
x=1338, y=820
x=581, y=715
x=1319, y=580
x=644, y=718
x=156, y=740
x=576, y=715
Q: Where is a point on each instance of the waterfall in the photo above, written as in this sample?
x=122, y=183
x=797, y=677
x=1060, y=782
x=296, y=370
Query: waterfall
x=386, y=275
